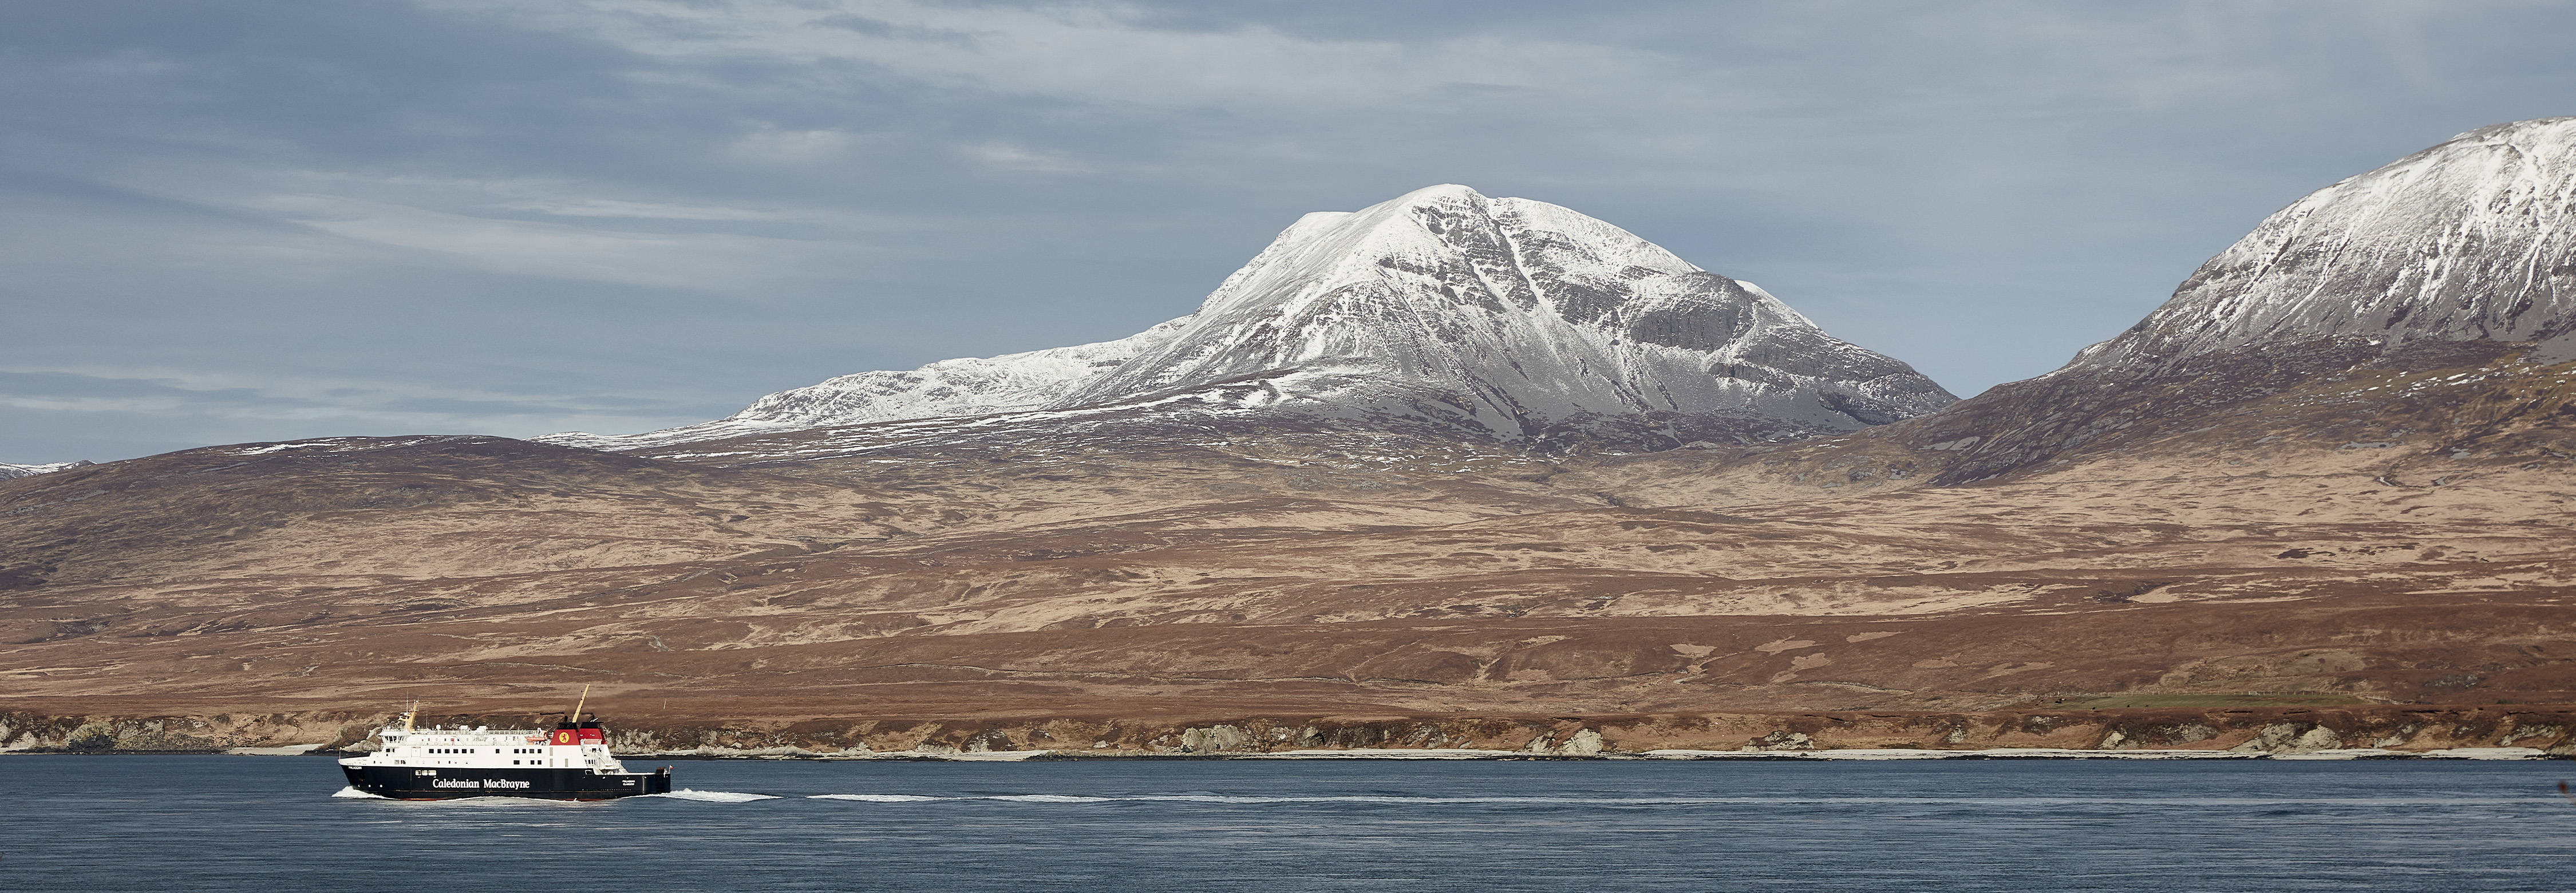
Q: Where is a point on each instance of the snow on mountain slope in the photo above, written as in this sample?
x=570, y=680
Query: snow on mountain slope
x=9, y=471
x=1515, y=314
x=2472, y=239
x=949, y=388
x=2460, y=257
x=1494, y=318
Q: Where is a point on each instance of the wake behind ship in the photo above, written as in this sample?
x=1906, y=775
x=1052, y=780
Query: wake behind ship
x=569, y=762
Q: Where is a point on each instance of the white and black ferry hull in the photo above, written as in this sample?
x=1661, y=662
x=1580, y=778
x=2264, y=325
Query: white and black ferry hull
x=452, y=782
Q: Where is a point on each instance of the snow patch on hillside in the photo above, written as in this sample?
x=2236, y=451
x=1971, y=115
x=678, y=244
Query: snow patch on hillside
x=9, y=471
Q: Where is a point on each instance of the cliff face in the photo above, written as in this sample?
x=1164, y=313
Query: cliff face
x=1443, y=313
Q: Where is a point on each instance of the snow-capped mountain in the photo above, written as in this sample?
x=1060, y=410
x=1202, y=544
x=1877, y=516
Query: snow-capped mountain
x=9, y=471
x=2459, y=256
x=2473, y=239
x=1496, y=318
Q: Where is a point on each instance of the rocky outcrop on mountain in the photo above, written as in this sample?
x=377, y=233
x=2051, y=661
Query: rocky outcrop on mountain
x=1500, y=320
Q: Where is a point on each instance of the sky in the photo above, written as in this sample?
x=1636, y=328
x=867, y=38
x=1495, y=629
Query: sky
x=255, y=221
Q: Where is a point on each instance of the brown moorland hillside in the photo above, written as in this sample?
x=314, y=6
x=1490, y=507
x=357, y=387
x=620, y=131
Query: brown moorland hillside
x=2393, y=537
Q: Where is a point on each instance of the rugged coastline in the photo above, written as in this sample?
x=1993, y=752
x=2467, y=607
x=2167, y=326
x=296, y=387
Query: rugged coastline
x=2365, y=731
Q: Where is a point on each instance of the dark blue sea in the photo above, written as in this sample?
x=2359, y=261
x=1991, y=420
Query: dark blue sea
x=195, y=823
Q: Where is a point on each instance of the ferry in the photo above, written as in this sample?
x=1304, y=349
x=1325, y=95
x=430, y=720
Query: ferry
x=568, y=762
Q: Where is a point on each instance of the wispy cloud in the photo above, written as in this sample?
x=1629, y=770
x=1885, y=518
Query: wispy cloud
x=1020, y=158
x=1093, y=52
x=714, y=262
x=248, y=406
x=601, y=207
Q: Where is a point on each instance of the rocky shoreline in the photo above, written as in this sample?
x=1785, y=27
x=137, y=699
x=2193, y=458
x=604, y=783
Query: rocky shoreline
x=2353, y=732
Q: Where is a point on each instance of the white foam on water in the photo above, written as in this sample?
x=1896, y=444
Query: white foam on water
x=355, y=794
x=714, y=796
x=1231, y=799
x=1767, y=802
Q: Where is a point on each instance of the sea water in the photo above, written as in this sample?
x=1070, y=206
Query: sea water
x=191, y=823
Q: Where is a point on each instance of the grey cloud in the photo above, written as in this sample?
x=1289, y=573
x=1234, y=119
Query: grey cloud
x=72, y=387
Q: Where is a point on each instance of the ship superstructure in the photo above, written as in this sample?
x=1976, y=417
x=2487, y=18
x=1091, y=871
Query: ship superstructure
x=568, y=762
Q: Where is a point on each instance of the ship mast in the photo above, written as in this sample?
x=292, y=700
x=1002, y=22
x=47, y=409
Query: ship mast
x=408, y=715
x=576, y=706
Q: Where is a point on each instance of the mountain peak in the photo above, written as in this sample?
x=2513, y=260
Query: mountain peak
x=1495, y=318
x=2472, y=239
x=2460, y=257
